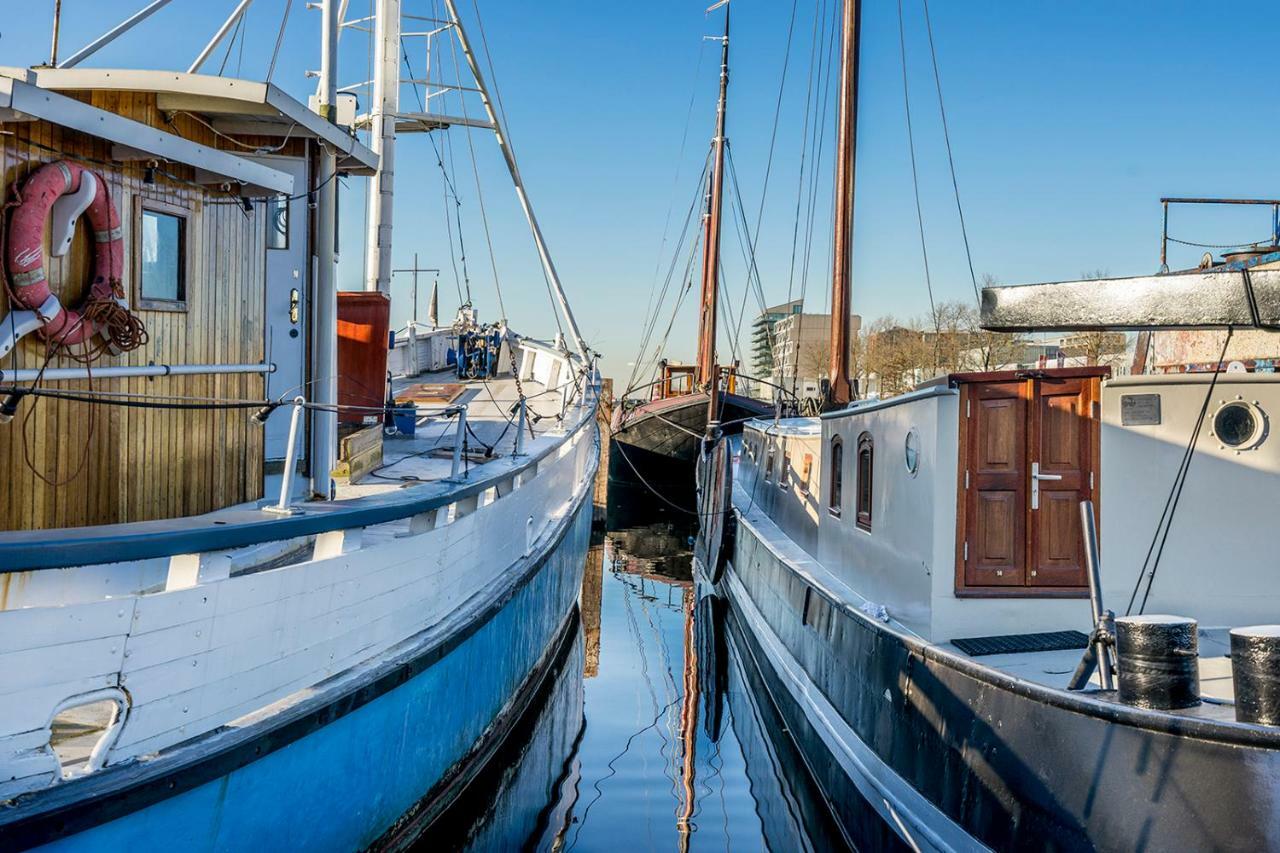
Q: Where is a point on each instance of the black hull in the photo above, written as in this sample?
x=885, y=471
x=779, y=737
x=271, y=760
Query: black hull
x=983, y=757
x=658, y=443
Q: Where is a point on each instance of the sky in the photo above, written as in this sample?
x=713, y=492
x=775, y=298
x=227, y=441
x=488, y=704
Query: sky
x=1067, y=122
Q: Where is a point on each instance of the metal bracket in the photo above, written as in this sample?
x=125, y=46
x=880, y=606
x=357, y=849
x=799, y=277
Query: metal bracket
x=18, y=324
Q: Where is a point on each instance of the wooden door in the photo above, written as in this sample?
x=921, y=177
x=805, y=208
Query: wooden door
x=997, y=485
x=1061, y=447
x=1028, y=457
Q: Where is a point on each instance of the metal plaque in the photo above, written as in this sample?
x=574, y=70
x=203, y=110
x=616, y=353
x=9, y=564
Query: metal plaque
x=1139, y=409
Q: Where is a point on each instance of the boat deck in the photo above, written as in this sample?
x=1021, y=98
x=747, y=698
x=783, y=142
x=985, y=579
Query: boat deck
x=1054, y=669
x=426, y=456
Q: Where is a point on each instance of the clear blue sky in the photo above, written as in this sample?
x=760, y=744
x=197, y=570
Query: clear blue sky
x=1068, y=122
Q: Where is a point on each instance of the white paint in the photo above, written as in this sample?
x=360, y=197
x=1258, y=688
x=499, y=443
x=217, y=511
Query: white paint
x=212, y=647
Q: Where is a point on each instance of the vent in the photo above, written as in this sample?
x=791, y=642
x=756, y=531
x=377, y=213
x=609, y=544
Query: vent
x=1010, y=644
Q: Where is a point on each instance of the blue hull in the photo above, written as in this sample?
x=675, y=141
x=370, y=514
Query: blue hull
x=347, y=783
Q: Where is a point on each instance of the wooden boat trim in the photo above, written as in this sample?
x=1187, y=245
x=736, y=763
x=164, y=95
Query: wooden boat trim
x=237, y=527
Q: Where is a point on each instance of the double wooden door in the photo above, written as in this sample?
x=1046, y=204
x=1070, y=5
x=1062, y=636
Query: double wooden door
x=1029, y=453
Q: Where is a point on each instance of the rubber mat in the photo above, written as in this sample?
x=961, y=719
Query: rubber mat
x=1009, y=644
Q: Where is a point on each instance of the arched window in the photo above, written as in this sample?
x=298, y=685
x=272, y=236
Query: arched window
x=837, y=475
x=865, y=459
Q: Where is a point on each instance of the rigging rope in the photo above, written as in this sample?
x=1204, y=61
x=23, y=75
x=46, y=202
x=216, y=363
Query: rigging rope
x=915, y=182
x=946, y=135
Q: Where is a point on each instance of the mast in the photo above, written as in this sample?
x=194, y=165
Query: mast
x=840, y=391
x=711, y=239
x=382, y=141
x=324, y=426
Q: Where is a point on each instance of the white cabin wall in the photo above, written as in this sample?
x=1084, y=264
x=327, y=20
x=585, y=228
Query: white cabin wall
x=909, y=542
x=795, y=508
x=1218, y=564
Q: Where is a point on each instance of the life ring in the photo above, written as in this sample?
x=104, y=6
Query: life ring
x=66, y=190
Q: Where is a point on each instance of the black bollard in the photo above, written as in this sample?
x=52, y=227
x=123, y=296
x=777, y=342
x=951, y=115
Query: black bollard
x=1158, y=662
x=1255, y=673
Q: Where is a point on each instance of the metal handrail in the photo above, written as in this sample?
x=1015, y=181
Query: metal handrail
x=238, y=527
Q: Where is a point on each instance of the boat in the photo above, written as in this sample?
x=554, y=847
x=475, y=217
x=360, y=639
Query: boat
x=656, y=441
x=926, y=587
x=252, y=594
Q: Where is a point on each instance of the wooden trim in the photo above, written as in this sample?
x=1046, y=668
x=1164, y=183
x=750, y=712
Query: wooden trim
x=1049, y=373
x=186, y=255
x=962, y=507
x=1022, y=592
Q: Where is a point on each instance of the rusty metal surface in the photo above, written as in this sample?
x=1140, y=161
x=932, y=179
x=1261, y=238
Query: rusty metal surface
x=1193, y=300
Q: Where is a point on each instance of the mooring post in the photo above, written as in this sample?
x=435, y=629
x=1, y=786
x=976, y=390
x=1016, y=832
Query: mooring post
x=458, y=441
x=520, y=422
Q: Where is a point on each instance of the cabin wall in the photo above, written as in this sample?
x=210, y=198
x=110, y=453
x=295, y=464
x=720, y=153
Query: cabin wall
x=906, y=562
x=113, y=464
x=1218, y=563
x=792, y=502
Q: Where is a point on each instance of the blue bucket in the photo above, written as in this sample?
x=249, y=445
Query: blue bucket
x=406, y=419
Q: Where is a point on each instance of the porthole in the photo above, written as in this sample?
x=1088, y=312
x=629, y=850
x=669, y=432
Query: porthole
x=1239, y=426
x=911, y=452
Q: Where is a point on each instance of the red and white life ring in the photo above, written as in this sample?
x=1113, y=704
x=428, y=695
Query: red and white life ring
x=66, y=190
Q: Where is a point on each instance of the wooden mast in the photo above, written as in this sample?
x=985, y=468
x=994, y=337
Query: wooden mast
x=841, y=389
x=706, y=369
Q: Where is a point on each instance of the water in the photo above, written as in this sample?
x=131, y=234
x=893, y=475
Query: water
x=650, y=736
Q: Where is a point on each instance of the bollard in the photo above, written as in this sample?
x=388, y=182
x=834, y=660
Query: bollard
x=1158, y=661
x=520, y=422
x=458, y=441
x=1255, y=673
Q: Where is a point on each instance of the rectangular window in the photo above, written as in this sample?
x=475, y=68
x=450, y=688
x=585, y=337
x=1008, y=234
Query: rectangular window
x=161, y=256
x=278, y=222
x=805, y=472
x=768, y=466
x=837, y=476
x=784, y=473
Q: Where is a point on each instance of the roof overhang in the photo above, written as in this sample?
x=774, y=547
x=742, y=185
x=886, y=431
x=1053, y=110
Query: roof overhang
x=1209, y=299
x=231, y=106
x=20, y=101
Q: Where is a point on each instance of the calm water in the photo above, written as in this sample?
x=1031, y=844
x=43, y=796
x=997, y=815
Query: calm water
x=648, y=736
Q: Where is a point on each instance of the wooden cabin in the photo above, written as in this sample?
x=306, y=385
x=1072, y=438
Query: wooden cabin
x=210, y=179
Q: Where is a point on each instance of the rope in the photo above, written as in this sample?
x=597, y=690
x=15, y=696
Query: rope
x=946, y=135
x=1165, y=522
x=915, y=181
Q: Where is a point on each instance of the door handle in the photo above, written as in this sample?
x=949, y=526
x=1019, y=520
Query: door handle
x=294, y=300
x=1036, y=477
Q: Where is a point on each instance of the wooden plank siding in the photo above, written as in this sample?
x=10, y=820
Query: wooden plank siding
x=141, y=464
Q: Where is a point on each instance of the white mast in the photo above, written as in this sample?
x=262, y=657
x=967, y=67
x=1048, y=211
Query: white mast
x=382, y=140
x=509, y=156
x=324, y=424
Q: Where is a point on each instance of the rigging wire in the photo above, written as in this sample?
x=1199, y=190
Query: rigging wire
x=475, y=170
x=951, y=161
x=1165, y=522
x=275, y=53
x=915, y=180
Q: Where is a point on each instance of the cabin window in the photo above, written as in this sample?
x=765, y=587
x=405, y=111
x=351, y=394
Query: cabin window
x=768, y=466
x=278, y=222
x=784, y=473
x=865, y=460
x=805, y=472
x=161, y=261
x=837, y=476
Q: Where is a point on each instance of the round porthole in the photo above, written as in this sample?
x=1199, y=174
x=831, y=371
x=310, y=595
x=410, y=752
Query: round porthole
x=1239, y=426
x=911, y=452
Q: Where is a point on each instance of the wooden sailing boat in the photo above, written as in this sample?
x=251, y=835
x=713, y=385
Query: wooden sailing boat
x=660, y=439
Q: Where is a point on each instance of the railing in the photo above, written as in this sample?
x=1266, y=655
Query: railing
x=240, y=527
